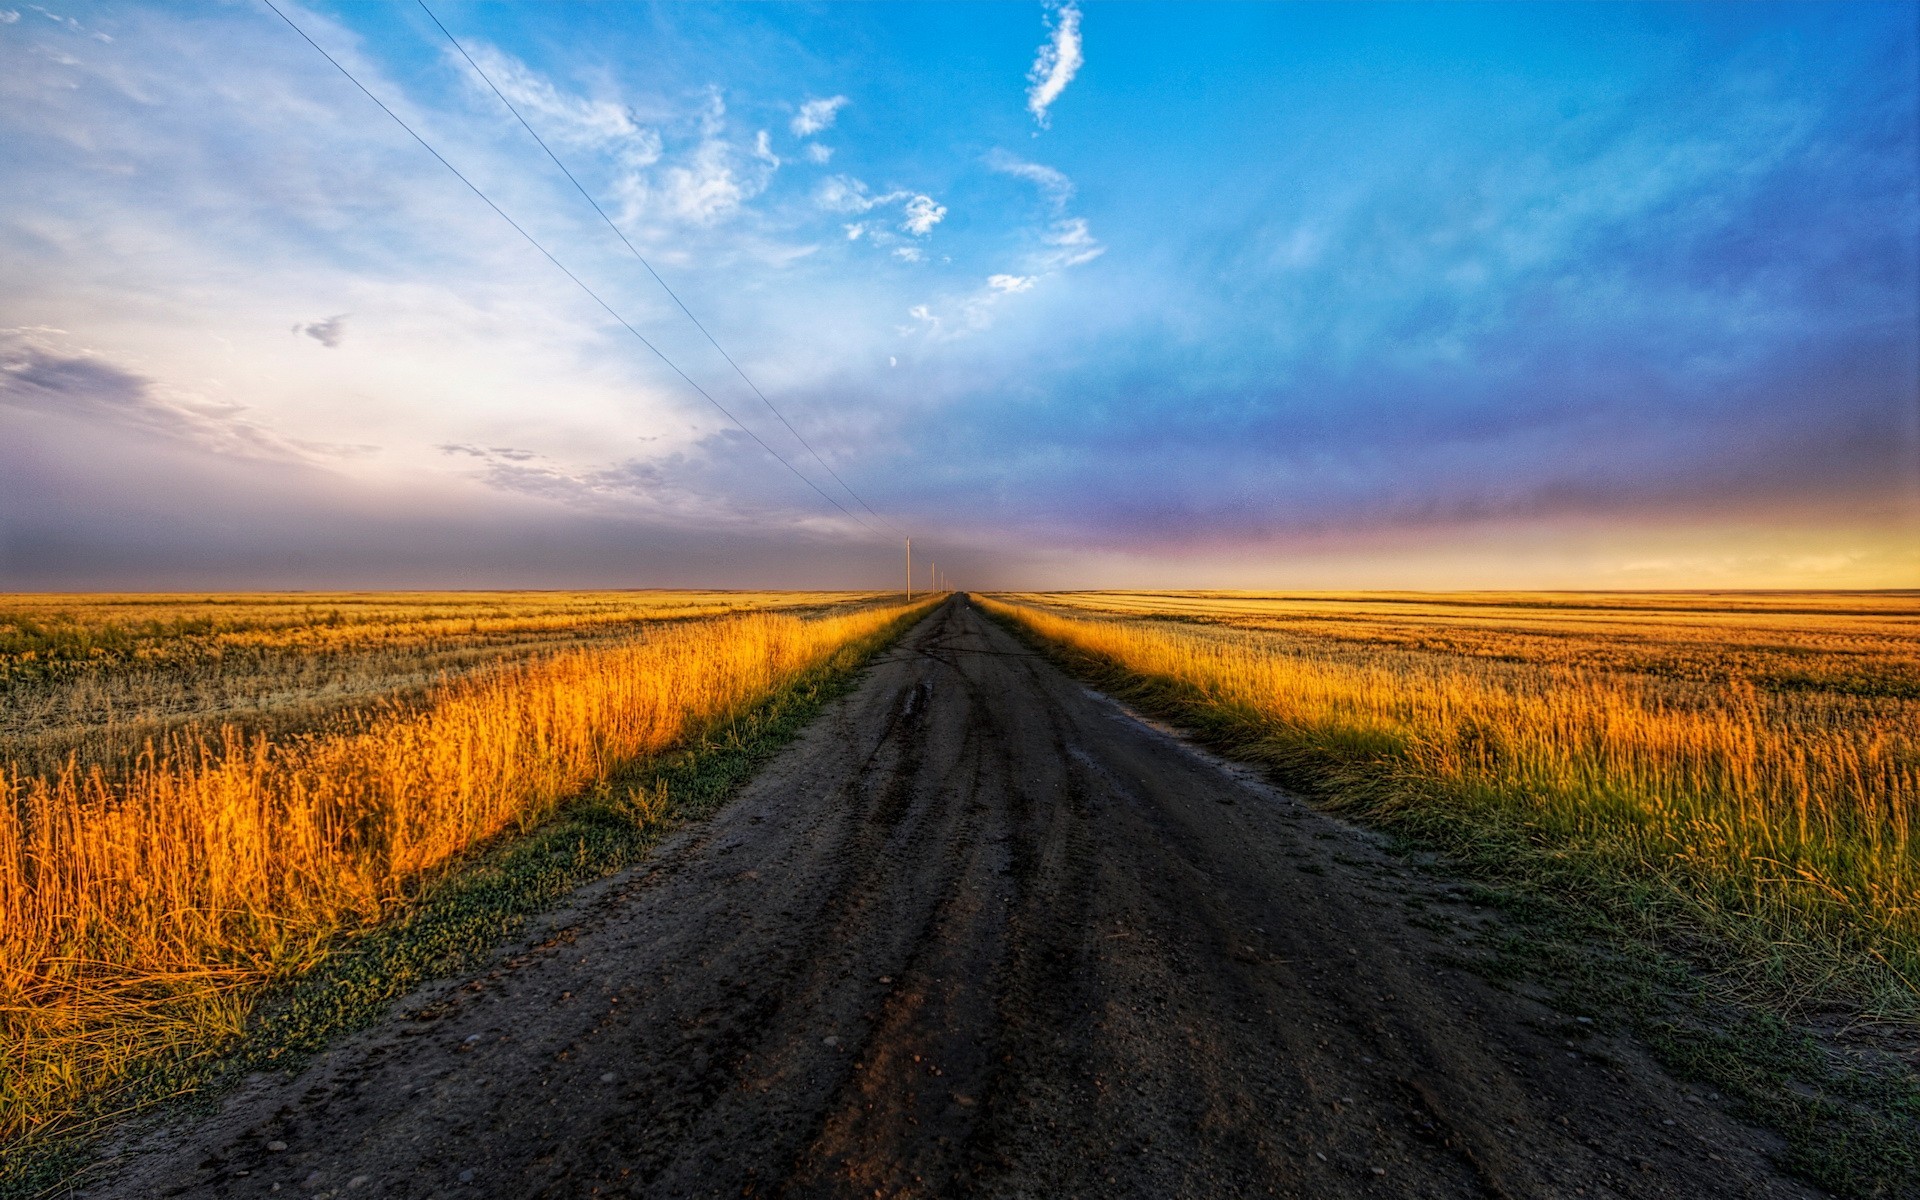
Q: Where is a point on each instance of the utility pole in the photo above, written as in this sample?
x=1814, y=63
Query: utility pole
x=909, y=570
x=933, y=576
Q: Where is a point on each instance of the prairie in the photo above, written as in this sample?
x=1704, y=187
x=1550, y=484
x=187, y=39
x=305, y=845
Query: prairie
x=1743, y=768
x=99, y=676
x=198, y=797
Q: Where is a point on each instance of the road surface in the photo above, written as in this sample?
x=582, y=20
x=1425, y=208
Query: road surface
x=979, y=931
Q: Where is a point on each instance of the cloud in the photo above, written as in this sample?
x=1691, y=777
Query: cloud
x=707, y=188
x=1056, y=64
x=909, y=254
x=816, y=153
x=845, y=194
x=601, y=123
x=922, y=215
x=1072, y=244
x=1012, y=283
x=1054, y=185
x=329, y=333
x=38, y=376
x=8, y=16
x=488, y=452
x=701, y=179
x=816, y=115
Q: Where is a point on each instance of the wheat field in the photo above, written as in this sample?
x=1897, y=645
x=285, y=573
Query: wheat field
x=1747, y=762
x=275, y=801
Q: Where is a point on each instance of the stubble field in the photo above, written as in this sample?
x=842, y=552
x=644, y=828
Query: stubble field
x=200, y=795
x=1741, y=770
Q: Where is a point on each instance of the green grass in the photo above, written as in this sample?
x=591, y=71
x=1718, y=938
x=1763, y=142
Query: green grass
x=456, y=923
x=1597, y=939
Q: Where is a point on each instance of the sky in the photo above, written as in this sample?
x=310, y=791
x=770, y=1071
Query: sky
x=1076, y=295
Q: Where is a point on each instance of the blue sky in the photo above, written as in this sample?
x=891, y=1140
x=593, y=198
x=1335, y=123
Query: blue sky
x=1191, y=295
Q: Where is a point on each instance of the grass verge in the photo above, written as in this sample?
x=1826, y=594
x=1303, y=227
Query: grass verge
x=1600, y=942
x=457, y=920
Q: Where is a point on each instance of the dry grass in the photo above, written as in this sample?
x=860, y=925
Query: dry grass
x=1749, y=762
x=142, y=906
x=100, y=676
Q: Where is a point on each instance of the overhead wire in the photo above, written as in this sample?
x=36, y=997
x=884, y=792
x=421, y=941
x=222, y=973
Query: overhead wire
x=635, y=251
x=535, y=243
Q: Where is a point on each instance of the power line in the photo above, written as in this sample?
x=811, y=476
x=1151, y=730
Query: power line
x=619, y=233
x=534, y=242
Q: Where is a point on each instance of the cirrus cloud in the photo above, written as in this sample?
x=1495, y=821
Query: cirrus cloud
x=1058, y=61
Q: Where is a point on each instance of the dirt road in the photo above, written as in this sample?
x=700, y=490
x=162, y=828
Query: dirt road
x=980, y=931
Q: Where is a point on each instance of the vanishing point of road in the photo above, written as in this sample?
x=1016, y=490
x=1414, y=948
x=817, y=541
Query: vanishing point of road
x=979, y=931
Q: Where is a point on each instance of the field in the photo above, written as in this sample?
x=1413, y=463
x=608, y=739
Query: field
x=199, y=796
x=1742, y=770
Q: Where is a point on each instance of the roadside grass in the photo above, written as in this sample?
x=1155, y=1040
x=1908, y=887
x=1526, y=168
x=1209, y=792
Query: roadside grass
x=1716, y=1000
x=454, y=923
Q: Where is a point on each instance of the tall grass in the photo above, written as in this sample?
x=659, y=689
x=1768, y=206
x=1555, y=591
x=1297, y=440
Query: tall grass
x=139, y=910
x=1779, y=819
x=97, y=677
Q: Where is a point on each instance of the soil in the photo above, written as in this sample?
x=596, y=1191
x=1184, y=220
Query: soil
x=980, y=931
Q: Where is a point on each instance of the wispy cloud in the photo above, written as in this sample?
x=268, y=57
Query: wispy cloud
x=919, y=212
x=40, y=372
x=328, y=333
x=1056, y=245
x=1059, y=60
x=681, y=168
x=599, y=122
x=1069, y=244
x=1053, y=185
x=816, y=115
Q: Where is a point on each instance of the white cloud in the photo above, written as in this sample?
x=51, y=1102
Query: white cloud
x=845, y=194
x=601, y=123
x=922, y=215
x=1054, y=185
x=706, y=183
x=1012, y=283
x=8, y=16
x=816, y=153
x=1056, y=64
x=908, y=254
x=1072, y=244
x=706, y=189
x=816, y=115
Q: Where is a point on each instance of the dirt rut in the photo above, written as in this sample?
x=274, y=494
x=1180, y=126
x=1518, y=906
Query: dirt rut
x=979, y=932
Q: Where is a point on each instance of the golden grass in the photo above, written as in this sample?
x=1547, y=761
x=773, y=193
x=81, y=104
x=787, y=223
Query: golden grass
x=100, y=676
x=163, y=894
x=1754, y=758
